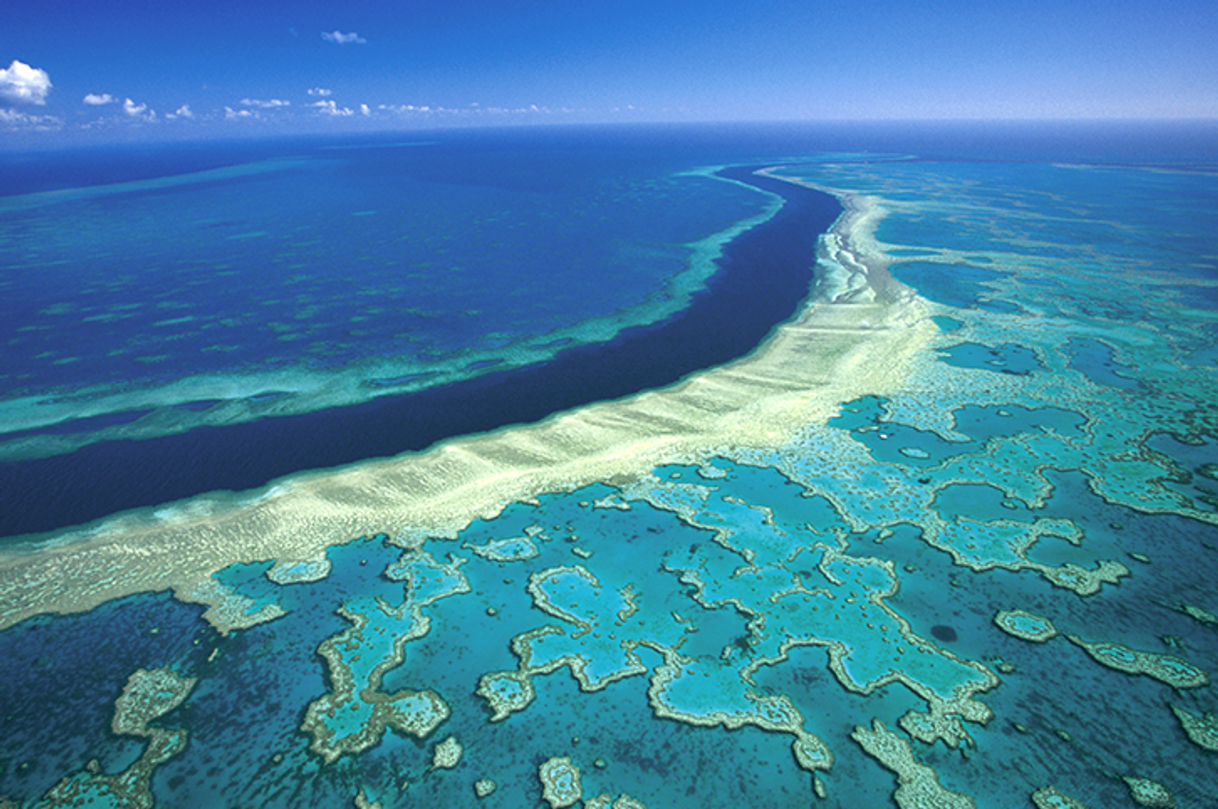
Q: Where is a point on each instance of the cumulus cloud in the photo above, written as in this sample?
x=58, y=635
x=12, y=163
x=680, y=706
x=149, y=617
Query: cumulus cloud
x=266, y=105
x=22, y=84
x=181, y=112
x=363, y=108
x=330, y=108
x=320, y=91
x=138, y=110
x=97, y=99
x=231, y=114
x=338, y=37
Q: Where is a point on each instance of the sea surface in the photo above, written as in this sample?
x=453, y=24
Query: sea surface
x=985, y=577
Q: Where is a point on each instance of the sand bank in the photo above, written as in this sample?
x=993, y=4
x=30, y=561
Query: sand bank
x=856, y=335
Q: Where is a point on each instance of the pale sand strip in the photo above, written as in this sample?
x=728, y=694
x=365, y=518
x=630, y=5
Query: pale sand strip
x=831, y=353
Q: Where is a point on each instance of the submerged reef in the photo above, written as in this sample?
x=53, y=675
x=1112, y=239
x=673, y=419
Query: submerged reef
x=1025, y=625
x=1167, y=669
x=953, y=547
x=147, y=696
x=560, y=782
x=1201, y=730
x=1051, y=798
x=355, y=712
x=918, y=785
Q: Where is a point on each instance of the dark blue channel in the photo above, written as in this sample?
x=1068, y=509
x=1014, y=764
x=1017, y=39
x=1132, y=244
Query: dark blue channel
x=763, y=276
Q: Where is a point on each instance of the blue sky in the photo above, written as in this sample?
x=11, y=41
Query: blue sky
x=179, y=67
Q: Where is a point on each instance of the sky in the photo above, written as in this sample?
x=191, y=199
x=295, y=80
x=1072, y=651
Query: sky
x=184, y=68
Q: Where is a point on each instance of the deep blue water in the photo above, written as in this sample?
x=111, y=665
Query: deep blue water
x=762, y=277
x=339, y=256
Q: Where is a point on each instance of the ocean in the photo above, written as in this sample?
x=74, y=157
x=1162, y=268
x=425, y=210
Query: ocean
x=832, y=465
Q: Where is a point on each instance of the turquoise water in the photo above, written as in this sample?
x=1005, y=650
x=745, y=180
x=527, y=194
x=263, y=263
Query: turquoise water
x=706, y=635
x=326, y=276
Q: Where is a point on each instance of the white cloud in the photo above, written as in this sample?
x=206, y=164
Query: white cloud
x=182, y=112
x=472, y=111
x=22, y=84
x=96, y=99
x=138, y=110
x=266, y=105
x=14, y=119
x=330, y=108
x=231, y=114
x=405, y=108
x=363, y=108
x=320, y=91
x=340, y=38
